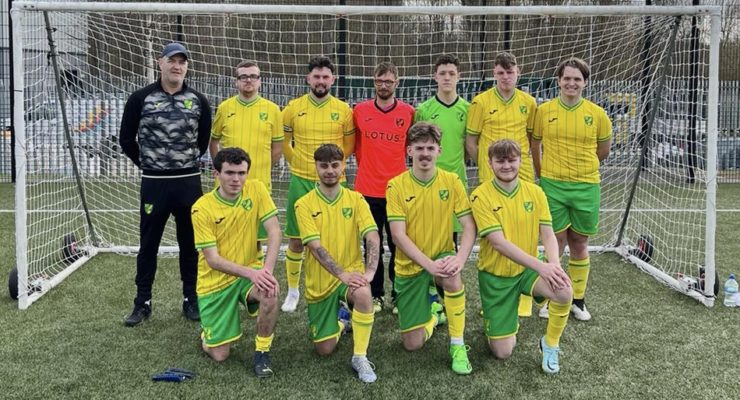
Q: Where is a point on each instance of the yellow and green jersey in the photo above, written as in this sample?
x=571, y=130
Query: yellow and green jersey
x=252, y=126
x=518, y=215
x=426, y=208
x=340, y=225
x=569, y=138
x=492, y=118
x=313, y=124
x=450, y=118
x=231, y=227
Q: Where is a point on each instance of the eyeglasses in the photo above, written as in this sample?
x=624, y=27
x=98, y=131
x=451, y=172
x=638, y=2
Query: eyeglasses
x=245, y=77
x=383, y=82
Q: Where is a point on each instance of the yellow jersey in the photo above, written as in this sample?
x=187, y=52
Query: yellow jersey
x=340, y=225
x=231, y=227
x=313, y=124
x=252, y=126
x=492, y=118
x=426, y=208
x=518, y=215
x=569, y=138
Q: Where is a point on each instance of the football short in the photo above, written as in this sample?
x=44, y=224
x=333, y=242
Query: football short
x=219, y=312
x=412, y=300
x=322, y=315
x=297, y=188
x=573, y=205
x=499, y=297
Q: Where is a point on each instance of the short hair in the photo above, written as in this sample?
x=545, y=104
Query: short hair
x=422, y=132
x=231, y=155
x=505, y=60
x=244, y=64
x=328, y=152
x=320, y=62
x=504, y=148
x=574, y=62
x=385, y=67
x=446, y=59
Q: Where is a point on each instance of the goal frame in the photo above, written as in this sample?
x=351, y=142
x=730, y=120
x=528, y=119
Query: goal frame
x=25, y=299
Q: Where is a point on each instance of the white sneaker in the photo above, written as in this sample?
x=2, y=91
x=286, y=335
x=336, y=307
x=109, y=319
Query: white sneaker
x=365, y=369
x=291, y=301
x=581, y=314
x=544, y=312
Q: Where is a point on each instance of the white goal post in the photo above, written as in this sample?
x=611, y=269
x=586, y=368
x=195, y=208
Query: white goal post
x=654, y=70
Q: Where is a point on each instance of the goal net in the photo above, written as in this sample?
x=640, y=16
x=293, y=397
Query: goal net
x=77, y=194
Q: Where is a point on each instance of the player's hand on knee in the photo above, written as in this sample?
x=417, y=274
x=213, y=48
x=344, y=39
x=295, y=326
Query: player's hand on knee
x=555, y=276
x=452, y=265
x=353, y=279
x=264, y=281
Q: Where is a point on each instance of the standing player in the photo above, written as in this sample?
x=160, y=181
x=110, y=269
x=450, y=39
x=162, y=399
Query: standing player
x=425, y=251
x=381, y=125
x=251, y=122
x=332, y=221
x=575, y=135
x=449, y=112
x=502, y=112
x=164, y=130
x=511, y=214
x=310, y=121
x=226, y=222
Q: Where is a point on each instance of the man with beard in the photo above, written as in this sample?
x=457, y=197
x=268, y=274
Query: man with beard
x=309, y=121
x=381, y=125
x=333, y=220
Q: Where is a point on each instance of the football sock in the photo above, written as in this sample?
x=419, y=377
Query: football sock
x=578, y=272
x=455, y=309
x=525, y=305
x=362, y=327
x=262, y=343
x=293, y=262
x=558, y=318
x=429, y=327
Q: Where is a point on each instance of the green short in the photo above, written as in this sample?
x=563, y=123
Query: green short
x=573, y=205
x=499, y=297
x=412, y=300
x=219, y=312
x=297, y=188
x=322, y=315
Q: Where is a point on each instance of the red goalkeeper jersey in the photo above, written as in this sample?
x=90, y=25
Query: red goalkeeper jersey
x=381, y=144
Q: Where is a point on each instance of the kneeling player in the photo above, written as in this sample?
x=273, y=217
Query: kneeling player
x=511, y=215
x=421, y=202
x=333, y=221
x=226, y=222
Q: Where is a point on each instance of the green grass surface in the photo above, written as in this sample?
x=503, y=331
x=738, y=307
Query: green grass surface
x=645, y=342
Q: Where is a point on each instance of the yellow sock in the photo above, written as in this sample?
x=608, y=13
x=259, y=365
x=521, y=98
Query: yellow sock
x=293, y=262
x=429, y=327
x=455, y=309
x=578, y=272
x=525, y=305
x=262, y=343
x=557, y=319
x=362, y=327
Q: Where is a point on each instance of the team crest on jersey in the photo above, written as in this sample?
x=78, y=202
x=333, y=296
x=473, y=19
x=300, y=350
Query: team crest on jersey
x=263, y=116
x=188, y=103
x=347, y=212
x=461, y=116
x=589, y=120
x=528, y=206
x=335, y=116
x=523, y=110
x=444, y=194
x=148, y=207
x=400, y=122
x=247, y=204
